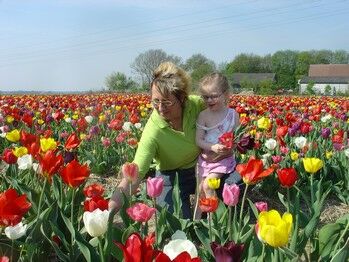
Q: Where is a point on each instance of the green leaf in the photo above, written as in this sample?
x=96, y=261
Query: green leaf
x=202, y=234
x=328, y=237
x=342, y=254
x=177, y=202
x=86, y=248
x=253, y=207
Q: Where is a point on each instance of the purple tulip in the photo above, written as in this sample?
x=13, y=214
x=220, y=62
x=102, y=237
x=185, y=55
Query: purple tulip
x=229, y=252
x=325, y=132
x=231, y=194
x=246, y=143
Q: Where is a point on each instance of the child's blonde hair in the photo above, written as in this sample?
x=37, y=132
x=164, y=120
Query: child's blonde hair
x=216, y=79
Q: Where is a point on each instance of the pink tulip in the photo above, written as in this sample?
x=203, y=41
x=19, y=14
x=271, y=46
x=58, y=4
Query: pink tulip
x=284, y=150
x=106, y=141
x=140, y=212
x=155, y=186
x=231, y=194
x=130, y=171
x=261, y=206
x=276, y=159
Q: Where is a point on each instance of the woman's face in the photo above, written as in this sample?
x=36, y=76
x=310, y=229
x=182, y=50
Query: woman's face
x=168, y=107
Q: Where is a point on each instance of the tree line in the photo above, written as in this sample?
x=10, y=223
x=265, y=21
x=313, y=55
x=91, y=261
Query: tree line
x=288, y=66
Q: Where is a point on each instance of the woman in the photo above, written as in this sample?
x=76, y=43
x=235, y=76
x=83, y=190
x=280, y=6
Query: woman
x=168, y=138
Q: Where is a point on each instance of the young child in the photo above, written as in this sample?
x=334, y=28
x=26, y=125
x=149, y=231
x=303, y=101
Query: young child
x=213, y=122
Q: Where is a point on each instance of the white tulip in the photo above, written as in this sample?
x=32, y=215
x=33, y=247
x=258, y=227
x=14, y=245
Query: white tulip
x=300, y=142
x=67, y=120
x=96, y=222
x=25, y=162
x=179, y=244
x=89, y=119
x=270, y=144
x=325, y=118
x=127, y=126
x=138, y=125
x=15, y=232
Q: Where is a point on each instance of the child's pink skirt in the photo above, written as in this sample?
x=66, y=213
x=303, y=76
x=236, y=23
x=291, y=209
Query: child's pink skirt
x=224, y=166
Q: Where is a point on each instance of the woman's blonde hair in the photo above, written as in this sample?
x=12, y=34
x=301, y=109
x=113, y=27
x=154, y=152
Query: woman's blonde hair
x=217, y=79
x=171, y=79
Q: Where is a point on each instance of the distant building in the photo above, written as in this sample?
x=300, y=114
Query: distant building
x=238, y=78
x=336, y=76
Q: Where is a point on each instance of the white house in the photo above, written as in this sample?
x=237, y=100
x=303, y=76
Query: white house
x=333, y=76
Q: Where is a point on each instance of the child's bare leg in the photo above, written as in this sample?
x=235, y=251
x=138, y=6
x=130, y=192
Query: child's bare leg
x=199, y=193
x=207, y=190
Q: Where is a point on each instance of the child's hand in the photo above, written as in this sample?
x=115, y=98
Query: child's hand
x=219, y=149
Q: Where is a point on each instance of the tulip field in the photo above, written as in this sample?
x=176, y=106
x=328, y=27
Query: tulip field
x=292, y=150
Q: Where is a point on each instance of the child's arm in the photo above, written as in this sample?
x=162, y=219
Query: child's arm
x=200, y=137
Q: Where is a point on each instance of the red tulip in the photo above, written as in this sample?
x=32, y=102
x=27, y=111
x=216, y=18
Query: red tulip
x=74, y=174
x=227, y=139
x=209, y=204
x=252, y=171
x=136, y=249
x=287, y=176
x=116, y=124
x=50, y=163
x=96, y=202
x=12, y=207
x=9, y=157
x=72, y=142
x=130, y=171
x=155, y=186
x=140, y=212
x=27, y=139
x=94, y=190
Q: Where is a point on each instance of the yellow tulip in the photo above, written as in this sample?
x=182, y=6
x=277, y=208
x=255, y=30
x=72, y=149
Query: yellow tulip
x=102, y=118
x=253, y=132
x=329, y=154
x=40, y=121
x=143, y=114
x=75, y=116
x=83, y=136
x=213, y=182
x=312, y=164
x=13, y=136
x=20, y=151
x=264, y=123
x=274, y=229
x=294, y=156
x=47, y=144
x=9, y=119
x=117, y=108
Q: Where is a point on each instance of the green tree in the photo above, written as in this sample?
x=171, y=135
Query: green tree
x=340, y=57
x=284, y=66
x=250, y=63
x=266, y=87
x=198, y=66
x=310, y=88
x=145, y=63
x=118, y=81
x=328, y=90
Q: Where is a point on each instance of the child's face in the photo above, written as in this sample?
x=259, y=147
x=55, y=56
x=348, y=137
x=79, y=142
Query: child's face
x=213, y=96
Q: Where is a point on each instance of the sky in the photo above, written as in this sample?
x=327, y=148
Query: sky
x=73, y=45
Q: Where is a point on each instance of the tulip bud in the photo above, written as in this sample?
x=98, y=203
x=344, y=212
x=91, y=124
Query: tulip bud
x=96, y=222
x=155, y=186
x=15, y=232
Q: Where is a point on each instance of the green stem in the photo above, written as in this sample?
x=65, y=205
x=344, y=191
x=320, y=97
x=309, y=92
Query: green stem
x=40, y=199
x=229, y=224
x=101, y=251
x=12, y=247
x=72, y=214
x=130, y=188
x=288, y=200
x=340, y=238
x=241, y=210
x=209, y=216
x=156, y=223
x=263, y=252
x=312, y=189
x=234, y=218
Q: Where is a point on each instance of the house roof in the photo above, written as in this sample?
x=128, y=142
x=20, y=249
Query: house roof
x=255, y=77
x=325, y=80
x=329, y=70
